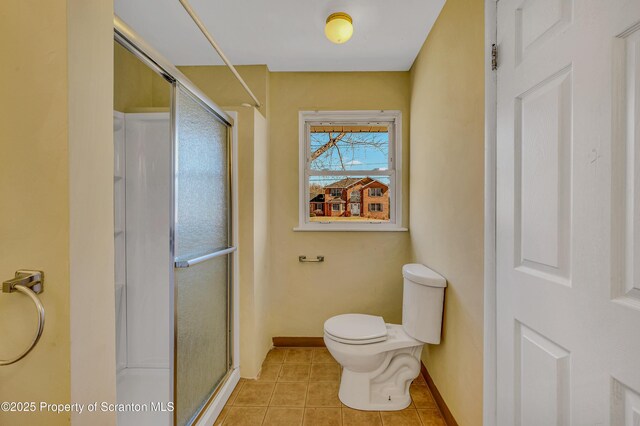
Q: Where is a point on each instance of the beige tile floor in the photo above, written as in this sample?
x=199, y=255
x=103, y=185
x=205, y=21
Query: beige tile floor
x=299, y=386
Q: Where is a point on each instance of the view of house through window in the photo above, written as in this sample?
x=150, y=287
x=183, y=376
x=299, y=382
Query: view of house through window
x=342, y=198
x=350, y=170
x=349, y=173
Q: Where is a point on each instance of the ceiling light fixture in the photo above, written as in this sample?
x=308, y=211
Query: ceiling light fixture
x=339, y=27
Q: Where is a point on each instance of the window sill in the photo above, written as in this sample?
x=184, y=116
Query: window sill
x=352, y=229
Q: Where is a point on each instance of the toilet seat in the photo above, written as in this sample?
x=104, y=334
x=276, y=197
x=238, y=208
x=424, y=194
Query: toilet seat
x=355, y=342
x=396, y=339
x=356, y=329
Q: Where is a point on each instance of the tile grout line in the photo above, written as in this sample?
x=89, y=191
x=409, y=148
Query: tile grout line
x=304, y=409
x=273, y=391
x=308, y=381
x=265, y=416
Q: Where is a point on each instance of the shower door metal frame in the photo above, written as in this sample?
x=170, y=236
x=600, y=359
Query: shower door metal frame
x=230, y=250
x=131, y=41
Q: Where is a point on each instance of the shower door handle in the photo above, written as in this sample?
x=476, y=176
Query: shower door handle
x=185, y=263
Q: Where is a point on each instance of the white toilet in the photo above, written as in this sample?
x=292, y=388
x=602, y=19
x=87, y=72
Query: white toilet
x=381, y=360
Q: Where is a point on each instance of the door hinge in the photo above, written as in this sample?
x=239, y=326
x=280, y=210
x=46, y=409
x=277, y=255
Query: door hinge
x=494, y=57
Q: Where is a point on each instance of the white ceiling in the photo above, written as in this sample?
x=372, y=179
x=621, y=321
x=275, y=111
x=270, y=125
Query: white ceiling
x=287, y=35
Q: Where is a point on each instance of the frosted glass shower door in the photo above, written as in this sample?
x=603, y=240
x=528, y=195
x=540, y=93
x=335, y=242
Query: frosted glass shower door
x=202, y=249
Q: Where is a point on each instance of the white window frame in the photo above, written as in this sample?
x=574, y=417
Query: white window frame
x=377, y=117
x=333, y=207
x=377, y=190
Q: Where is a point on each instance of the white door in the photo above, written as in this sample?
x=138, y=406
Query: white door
x=355, y=209
x=568, y=212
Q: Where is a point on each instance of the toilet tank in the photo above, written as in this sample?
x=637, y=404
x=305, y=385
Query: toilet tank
x=422, y=302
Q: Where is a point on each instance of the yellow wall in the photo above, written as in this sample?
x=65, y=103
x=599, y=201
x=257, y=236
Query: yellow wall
x=135, y=85
x=362, y=270
x=447, y=155
x=223, y=88
x=57, y=132
x=34, y=219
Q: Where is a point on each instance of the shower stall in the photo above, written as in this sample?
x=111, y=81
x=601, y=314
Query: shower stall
x=174, y=242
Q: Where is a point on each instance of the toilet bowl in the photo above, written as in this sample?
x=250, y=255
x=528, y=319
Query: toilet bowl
x=376, y=376
x=381, y=360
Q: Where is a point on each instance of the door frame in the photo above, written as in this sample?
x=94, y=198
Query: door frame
x=490, y=367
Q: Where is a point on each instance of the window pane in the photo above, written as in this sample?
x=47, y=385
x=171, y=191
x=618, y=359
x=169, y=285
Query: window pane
x=361, y=147
x=349, y=198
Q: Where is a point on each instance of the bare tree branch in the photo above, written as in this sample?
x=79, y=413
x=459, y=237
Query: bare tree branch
x=324, y=148
x=340, y=155
x=348, y=145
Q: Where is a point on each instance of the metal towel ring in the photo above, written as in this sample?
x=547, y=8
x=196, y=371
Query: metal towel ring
x=28, y=283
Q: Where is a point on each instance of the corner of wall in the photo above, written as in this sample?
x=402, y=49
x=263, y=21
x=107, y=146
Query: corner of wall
x=446, y=191
x=253, y=240
x=261, y=231
x=90, y=61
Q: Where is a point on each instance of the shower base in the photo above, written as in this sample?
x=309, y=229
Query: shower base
x=144, y=386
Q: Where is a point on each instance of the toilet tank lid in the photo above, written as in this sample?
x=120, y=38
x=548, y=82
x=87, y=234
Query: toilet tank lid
x=420, y=274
